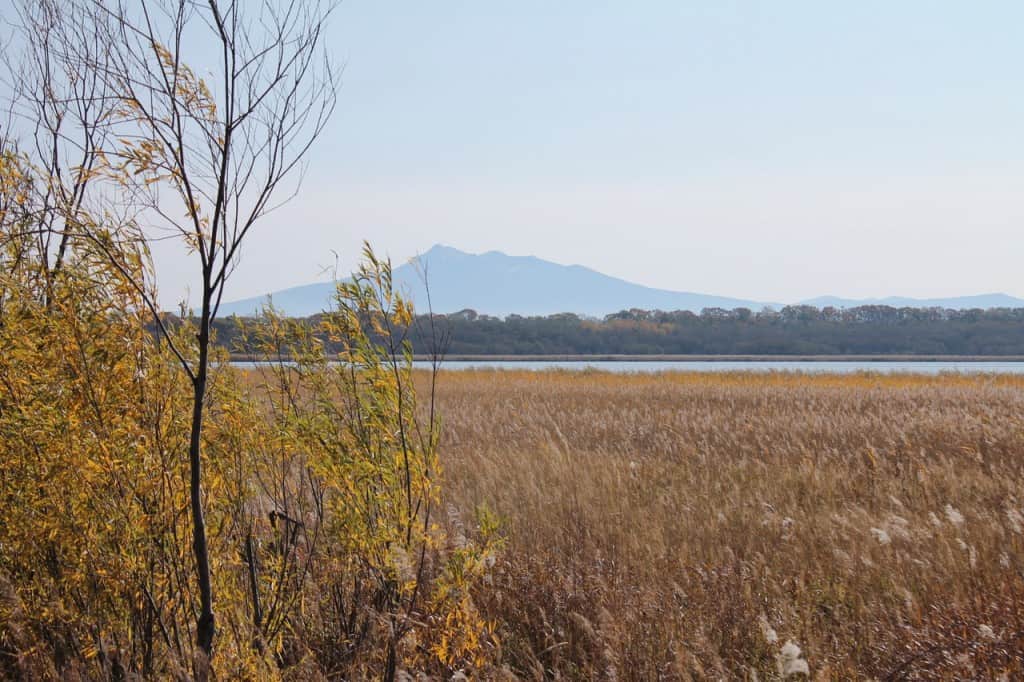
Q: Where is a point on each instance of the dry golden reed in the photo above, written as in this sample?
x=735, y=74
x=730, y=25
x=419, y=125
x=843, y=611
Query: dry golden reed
x=746, y=526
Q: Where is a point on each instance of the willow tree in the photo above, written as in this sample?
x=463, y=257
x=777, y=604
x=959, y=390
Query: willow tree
x=198, y=158
x=225, y=146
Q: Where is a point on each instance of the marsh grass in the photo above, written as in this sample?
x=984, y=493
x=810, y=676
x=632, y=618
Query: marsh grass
x=662, y=526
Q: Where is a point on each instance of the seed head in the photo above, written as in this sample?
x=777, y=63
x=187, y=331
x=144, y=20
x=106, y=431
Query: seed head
x=790, y=661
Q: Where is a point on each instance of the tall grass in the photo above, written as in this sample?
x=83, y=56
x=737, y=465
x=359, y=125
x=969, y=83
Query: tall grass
x=696, y=526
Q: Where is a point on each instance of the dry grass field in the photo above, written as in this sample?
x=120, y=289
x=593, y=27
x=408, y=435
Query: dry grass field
x=692, y=526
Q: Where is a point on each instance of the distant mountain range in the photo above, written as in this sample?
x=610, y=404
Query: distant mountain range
x=494, y=283
x=983, y=301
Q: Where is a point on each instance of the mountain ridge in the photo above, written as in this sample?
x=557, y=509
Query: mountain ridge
x=494, y=283
x=984, y=301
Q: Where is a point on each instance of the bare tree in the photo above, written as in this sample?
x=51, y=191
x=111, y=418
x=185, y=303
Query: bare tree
x=224, y=147
x=200, y=111
x=61, y=113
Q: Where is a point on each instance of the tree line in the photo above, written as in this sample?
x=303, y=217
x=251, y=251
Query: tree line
x=792, y=330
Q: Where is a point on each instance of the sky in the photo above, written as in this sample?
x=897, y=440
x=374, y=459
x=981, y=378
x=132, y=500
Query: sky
x=764, y=150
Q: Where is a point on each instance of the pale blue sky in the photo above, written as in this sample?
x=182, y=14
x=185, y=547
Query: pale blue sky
x=766, y=150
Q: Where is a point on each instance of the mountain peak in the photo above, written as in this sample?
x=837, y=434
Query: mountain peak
x=495, y=283
x=441, y=249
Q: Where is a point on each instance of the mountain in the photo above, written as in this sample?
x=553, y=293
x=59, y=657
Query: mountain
x=983, y=301
x=494, y=283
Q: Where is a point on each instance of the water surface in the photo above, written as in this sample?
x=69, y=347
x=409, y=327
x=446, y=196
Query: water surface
x=816, y=366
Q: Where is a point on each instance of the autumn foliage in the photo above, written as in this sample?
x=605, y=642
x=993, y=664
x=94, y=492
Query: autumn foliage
x=330, y=553
x=559, y=525
x=588, y=526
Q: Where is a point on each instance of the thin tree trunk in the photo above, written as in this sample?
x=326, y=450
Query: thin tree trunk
x=391, y=666
x=205, y=627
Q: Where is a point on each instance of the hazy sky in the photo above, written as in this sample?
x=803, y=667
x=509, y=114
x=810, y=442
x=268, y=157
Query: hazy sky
x=765, y=150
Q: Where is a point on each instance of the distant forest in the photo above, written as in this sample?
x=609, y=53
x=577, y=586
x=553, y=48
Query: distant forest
x=793, y=330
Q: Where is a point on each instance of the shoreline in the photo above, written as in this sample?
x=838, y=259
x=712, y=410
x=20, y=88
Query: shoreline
x=701, y=358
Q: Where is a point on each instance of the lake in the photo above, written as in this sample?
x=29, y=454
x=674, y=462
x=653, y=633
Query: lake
x=816, y=366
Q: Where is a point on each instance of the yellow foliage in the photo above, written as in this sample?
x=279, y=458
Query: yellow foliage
x=400, y=588
x=321, y=486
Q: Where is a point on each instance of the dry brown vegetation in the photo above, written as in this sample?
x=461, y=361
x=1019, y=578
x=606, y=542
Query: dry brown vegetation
x=672, y=526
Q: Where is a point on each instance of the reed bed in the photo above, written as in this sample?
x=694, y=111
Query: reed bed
x=743, y=525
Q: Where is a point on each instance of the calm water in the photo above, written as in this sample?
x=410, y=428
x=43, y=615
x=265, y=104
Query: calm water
x=838, y=367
